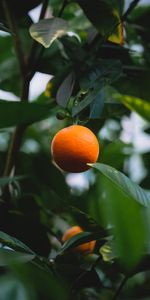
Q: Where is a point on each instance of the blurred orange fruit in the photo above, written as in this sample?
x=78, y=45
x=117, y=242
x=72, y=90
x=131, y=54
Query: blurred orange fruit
x=73, y=147
x=84, y=248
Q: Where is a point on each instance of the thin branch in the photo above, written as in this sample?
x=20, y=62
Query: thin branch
x=130, y=8
x=17, y=42
x=32, y=55
x=119, y=290
x=17, y=137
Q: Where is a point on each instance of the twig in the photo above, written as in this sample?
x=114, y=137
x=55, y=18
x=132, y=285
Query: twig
x=130, y=8
x=122, y=284
x=31, y=59
x=18, y=134
x=17, y=42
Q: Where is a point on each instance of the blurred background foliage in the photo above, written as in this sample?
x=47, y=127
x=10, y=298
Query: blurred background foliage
x=96, y=55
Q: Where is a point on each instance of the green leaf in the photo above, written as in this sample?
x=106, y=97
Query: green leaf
x=81, y=238
x=108, y=69
x=116, y=148
x=100, y=13
x=65, y=90
x=12, y=288
x=126, y=216
x=97, y=106
x=13, y=113
x=135, y=82
x=9, y=257
x=138, y=105
x=44, y=283
x=124, y=184
x=46, y=31
x=93, y=81
x=14, y=243
x=88, y=99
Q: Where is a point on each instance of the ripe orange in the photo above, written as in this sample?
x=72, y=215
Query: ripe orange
x=73, y=147
x=84, y=248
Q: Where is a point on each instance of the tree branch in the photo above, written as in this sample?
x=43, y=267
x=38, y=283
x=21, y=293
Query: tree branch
x=17, y=42
x=35, y=45
x=130, y=8
x=122, y=284
x=16, y=140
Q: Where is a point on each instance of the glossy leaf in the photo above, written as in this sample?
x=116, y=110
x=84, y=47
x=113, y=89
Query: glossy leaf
x=81, y=238
x=14, y=243
x=20, y=113
x=65, y=90
x=97, y=105
x=125, y=216
x=9, y=257
x=100, y=13
x=46, y=31
x=124, y=184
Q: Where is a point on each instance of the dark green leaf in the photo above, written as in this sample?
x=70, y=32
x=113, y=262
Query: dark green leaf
x=97, y=106
x=12, y=288
x=9, y=257
x=65, y=90
x=14, y=243
x=126, y=216
x=19, y=113
x=81, y=238
x=44, y=283
x=88, y=99
x=94, y=80
x=100, y=13
x=108, y=69
x=135, y=82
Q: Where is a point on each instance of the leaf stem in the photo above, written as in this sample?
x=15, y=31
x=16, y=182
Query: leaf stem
x=119, y=290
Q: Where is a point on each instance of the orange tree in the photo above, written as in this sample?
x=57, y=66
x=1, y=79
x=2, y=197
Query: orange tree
x=97, y=55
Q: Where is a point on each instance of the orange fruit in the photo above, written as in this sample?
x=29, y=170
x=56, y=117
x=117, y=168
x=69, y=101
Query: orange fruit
x=84, y=248
x=73, y=147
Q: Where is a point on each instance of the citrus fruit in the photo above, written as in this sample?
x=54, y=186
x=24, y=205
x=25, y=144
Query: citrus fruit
x=73, y=147
x=84, y=248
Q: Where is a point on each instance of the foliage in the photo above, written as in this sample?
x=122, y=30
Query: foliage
x=97, y=82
